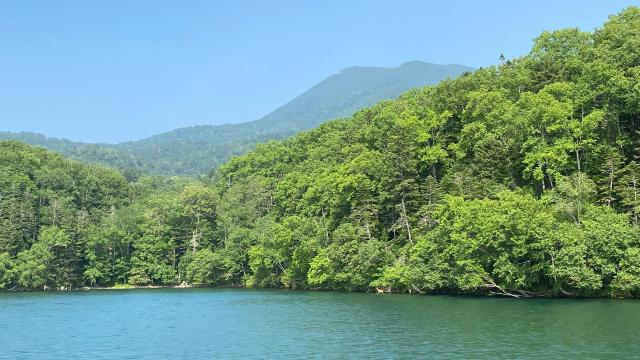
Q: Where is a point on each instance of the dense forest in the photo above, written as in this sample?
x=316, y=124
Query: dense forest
x=197, y=150
x=520, y=179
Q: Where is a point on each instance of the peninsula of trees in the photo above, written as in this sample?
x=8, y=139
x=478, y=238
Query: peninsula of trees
x=520, y=179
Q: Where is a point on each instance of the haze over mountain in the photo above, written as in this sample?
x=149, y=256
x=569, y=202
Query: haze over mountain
x=199, y=149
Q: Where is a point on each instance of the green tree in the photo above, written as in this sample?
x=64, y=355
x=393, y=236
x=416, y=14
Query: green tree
x=6, y=265
x=32, y=267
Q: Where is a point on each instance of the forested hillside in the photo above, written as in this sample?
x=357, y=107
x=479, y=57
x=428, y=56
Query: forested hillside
x=47, y=207
x=519, y=179
x=200, y=149
x=58, y=222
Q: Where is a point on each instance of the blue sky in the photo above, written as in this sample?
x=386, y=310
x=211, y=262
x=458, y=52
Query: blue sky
x=108, y=71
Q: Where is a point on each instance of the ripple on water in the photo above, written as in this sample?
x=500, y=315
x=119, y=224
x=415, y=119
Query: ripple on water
x=237, y=323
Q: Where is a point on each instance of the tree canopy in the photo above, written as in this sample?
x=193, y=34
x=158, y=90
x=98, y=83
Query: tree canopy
x=519, y=179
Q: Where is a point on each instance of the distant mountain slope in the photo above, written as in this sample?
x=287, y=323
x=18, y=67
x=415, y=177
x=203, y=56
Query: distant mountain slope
x=199, y=149
x=354, y=88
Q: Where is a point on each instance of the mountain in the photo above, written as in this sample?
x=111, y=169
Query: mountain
x=199, y=149
x=355, y=88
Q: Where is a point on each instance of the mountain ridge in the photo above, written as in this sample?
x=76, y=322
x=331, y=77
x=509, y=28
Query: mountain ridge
x=198, y=149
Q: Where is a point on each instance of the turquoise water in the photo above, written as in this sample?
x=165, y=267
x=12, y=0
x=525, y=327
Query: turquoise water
x=236, y=323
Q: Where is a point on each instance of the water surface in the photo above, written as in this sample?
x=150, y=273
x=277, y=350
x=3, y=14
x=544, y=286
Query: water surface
x=238, y=323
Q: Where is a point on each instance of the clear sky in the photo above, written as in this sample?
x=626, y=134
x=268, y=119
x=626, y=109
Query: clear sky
x=108, y=71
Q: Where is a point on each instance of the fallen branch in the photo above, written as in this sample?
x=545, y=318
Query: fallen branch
x=517, y=293
x=564, y=292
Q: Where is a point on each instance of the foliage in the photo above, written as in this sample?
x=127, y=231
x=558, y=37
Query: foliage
x=519, y=180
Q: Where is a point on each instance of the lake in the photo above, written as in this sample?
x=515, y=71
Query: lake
x=240, y=323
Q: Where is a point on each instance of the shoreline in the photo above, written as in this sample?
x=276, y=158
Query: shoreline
x=189, y=286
